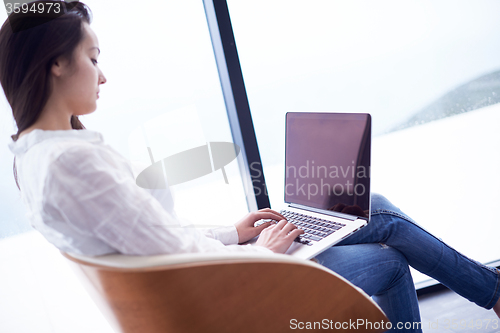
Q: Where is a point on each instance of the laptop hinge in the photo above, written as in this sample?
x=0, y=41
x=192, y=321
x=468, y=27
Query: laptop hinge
x=323, y=211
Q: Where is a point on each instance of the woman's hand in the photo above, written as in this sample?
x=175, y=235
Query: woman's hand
x=245, y=226
x=279, y=237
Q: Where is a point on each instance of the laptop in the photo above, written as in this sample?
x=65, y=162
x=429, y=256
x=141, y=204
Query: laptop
x=327, y=178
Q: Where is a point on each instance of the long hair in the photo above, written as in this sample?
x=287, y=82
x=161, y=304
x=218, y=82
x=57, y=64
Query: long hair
x=29, y=46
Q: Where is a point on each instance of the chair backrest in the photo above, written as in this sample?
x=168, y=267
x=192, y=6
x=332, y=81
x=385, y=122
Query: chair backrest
x=223, y=293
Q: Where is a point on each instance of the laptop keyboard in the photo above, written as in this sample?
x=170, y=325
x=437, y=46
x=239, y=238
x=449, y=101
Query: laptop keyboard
x=315, y=229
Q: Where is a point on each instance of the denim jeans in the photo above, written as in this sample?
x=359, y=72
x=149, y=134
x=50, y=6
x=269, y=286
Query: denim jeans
x=376, y=259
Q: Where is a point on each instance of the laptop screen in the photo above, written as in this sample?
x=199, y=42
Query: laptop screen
x=327, y=161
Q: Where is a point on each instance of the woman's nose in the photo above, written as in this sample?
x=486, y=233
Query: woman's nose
x=102, y=78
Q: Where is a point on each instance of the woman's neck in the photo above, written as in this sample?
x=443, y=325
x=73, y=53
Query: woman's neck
x=50, y=121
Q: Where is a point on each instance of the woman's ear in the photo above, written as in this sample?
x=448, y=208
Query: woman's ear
x=59, y=67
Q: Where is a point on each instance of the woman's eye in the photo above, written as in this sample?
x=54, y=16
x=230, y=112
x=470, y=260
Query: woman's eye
x=94, y=61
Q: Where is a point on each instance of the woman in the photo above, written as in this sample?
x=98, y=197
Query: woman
x=82, y=195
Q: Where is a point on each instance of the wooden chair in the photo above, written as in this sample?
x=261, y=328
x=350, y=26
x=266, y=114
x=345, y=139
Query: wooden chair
x=222, y=292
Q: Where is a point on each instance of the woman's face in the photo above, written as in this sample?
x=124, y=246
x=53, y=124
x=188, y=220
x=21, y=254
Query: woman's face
x=78, y=84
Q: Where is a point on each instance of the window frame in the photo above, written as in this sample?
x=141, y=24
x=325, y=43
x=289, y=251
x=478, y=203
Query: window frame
x=236, y=100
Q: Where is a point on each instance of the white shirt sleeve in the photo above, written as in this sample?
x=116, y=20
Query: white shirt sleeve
x=227, y=235
x=89, y=191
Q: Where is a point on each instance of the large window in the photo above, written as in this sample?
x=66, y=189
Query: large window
x=428, y=72
x=162, y=92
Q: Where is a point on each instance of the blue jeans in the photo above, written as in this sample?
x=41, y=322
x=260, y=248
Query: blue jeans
x=376, y=259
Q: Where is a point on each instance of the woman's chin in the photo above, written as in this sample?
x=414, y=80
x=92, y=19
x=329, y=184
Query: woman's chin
x=87, y=112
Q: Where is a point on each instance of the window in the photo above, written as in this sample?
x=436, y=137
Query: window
x=162, y=92
x=427, y=71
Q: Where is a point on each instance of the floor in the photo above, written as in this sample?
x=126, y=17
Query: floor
x=445, y=311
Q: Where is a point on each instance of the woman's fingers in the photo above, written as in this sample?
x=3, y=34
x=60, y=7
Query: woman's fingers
x=281, y=224
x=294, y=233
x=275, y=227
x=263, y=226
x=247, y=228
x=291, y=231
x=278, y=237
x=286, y=228
x=268, y=215
x=289, y=227
x=283, y=217
x=273, y=212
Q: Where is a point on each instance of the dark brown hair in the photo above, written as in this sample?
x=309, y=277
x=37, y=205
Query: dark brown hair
x=29, y=46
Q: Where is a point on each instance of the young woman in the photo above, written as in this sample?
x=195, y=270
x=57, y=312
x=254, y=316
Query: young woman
x=81, y=194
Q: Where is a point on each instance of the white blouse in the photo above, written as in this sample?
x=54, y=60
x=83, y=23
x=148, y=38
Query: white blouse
x=82, y=196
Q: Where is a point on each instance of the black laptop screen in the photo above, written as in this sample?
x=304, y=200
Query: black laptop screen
x=327, y=161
